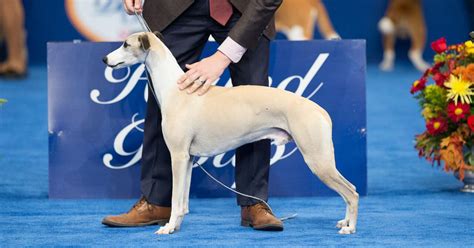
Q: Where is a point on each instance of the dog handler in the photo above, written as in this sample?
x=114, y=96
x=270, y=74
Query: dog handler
x=243, y=28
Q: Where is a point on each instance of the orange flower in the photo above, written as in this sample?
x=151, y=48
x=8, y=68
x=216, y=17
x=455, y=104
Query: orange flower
x=469, y=73
x=459, y=71
x=452, y=155
x=466, y=73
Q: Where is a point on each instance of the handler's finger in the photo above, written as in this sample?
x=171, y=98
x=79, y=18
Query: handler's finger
x=128, y=6
x=197, y=84
x=186, y=83
x=191, y=66
x=205, y=87
x=138, y=6
x=189, y=80
x=185, y=76
x=182, y=78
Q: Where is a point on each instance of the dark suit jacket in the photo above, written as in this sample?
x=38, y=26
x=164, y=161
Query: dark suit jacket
x=257, y=17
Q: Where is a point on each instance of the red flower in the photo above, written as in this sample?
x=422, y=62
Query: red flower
x=439, y=45
x=418, y=85
x=437, y=125
x=459, y=111
x=436, y=67
x=440, y=78
x=451, y=65
x=470, y=122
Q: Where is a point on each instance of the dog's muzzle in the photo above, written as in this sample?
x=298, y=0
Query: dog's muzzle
x=106, y=61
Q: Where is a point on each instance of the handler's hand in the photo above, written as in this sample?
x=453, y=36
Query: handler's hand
x=131, y=5
x=203, y=73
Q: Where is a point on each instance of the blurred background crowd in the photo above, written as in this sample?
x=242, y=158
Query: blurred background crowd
x=403, y=26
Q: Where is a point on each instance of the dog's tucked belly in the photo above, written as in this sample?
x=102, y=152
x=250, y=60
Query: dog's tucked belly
x=203, y=145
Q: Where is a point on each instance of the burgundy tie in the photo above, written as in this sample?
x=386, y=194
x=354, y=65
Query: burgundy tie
x=221, y=10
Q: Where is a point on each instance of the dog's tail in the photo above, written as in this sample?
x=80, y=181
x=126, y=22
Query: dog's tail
x=386, y=25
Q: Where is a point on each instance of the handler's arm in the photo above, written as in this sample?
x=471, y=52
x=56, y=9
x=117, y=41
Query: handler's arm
x=255, y=18
x=245, y=34
x=248, y=30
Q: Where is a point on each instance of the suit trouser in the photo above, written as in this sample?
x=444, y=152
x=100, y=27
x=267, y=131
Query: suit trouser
x=186, y=38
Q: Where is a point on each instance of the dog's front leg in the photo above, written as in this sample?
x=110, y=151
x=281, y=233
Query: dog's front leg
x=179, y=165
x=187, y=188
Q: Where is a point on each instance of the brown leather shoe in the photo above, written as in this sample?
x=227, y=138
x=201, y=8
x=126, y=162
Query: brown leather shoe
x=142, y=213
x=260, y=217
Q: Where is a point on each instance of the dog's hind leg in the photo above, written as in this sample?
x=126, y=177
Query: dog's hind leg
x=417, y=31
x=387, y=28
x=326, y=170
x=346, y=221
x=179, y=165
x=314, y=140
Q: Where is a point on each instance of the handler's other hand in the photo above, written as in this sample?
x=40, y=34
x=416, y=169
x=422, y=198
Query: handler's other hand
x=202, y=74
x=131, y=5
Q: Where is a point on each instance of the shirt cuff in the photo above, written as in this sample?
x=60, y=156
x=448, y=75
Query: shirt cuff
x=233, y=50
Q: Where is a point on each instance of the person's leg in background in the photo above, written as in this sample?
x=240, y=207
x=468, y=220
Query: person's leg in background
x=252, y=160
x=13, y=32
x=185, y=38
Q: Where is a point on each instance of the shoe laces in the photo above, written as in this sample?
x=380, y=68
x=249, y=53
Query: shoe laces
x=260, y=207
x=139, y=203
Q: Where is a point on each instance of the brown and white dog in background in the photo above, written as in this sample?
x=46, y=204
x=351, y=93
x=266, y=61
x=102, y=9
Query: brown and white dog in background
x=403, y=19
x=297, y=19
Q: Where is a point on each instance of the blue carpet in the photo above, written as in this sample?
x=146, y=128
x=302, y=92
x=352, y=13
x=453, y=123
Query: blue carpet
x=410, y=204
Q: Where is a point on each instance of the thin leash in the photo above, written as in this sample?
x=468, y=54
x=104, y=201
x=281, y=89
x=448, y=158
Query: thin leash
x=229, y=188
x=142, y=21
x=145, y=26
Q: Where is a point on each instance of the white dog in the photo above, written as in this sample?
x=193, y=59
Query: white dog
x=226, y=118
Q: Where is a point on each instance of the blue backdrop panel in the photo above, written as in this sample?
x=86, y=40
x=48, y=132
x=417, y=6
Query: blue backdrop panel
x=96, y=120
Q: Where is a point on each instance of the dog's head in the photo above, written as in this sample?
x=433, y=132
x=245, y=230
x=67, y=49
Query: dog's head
x=133, y=51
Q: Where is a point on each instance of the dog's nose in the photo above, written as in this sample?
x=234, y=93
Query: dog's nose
x=105, y=59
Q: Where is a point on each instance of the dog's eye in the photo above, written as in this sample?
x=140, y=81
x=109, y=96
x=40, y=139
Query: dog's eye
x=125, y=45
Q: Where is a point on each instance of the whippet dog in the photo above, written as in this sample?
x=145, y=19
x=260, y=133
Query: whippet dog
x=226, y=118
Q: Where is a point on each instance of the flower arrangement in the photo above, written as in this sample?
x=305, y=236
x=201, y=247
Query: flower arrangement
x=447, y=107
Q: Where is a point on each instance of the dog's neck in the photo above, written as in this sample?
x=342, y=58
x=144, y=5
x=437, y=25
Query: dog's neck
x=164, y=72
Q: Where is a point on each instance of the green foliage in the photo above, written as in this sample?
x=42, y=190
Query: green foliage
x=2, y=101
x=428, y=146
x=440, y=58
x=434, y=98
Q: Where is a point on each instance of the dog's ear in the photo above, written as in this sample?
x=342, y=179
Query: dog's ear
x=159, y=35
x=144, y=41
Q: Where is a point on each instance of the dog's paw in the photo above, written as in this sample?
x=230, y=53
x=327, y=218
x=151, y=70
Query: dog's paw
x=386, y=66
x=342, y=223
x=166, y=229
x=421, y=65
x=347, y=230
